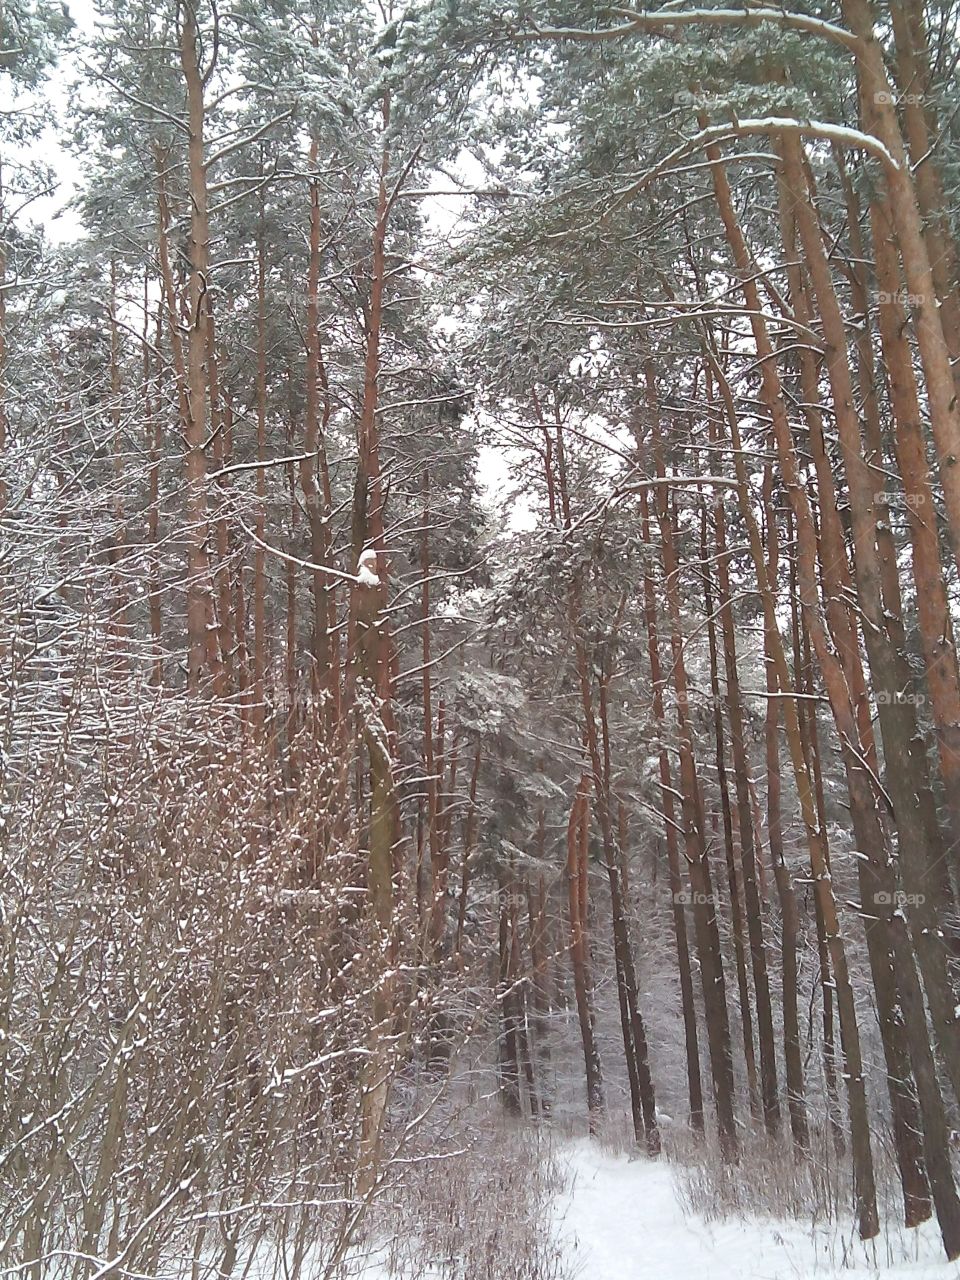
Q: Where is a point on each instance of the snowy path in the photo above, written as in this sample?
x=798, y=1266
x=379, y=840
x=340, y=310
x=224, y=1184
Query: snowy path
x=623, y=1220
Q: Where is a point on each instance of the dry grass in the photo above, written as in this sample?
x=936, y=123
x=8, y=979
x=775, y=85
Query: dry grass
x=769, y=1180
x=480, y=1212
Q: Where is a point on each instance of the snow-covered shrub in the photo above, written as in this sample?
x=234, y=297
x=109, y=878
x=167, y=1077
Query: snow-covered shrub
x=186, y=1000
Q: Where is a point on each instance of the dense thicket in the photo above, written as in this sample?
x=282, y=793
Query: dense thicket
x=480, y=516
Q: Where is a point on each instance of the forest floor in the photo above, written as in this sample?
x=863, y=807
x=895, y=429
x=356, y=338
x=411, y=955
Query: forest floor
x=623, y=1219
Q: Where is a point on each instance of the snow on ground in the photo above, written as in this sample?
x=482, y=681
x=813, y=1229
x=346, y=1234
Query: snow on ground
x=623, y=1219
